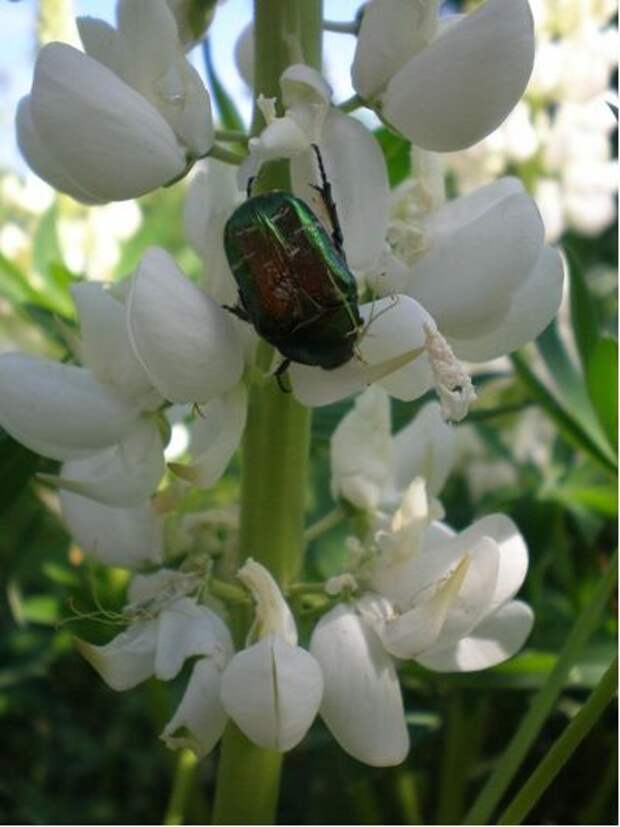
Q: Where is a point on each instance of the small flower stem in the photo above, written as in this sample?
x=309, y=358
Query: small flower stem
x=276, y=441
x=325, y=523
x=225, y=155
x=181, y=787
x=228, y=592
x=231, y=136
x=340, y=26
x=351, y=104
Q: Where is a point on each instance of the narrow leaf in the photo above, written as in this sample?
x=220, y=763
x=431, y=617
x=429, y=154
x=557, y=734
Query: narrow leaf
x=543, y=702
x=583, y=310
x=562, y=749
x=602, y=380
x=227, y=111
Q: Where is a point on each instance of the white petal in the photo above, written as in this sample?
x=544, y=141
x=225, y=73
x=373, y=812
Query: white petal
x=410, y=582
x=493, y=641
x=306, y=97
x=426, y=448
x=40, y=159
x=110, y=140
x=272, y=691
x=123, y=537
x=301, y=84
x=100, y=41
x=215, y=436
x=532, y=308
x=191, y=121
x=244, y=54
x=210, y=201
x=186, y=343
x=475, y=595
x=124, y=475
x=362, y=702
x=362, y=453
x=408, y=635
x=282, y=138
x=483, y=248
x=462, y=86
x=356, y=170
x=392, y=31
x=57, y=410
x=106, y=349
x=396, y=328
x=128, y=659
x=513, y=555
x=273, y=615
x=185, y=630
x=200, y=717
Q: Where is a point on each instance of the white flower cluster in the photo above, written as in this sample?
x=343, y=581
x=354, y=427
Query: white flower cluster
x=414, y=590
x=558, y=137
x=470, y=279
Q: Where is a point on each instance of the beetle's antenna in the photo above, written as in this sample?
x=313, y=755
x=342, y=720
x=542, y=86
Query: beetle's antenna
x=326, y=194
x=374, y=316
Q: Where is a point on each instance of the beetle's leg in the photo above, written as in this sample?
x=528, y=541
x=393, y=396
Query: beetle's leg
x=238, y=311
x=280, y=370
x=250, y=184
x=326, y=194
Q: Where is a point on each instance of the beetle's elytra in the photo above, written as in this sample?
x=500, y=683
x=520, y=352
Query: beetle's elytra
x=294, y=283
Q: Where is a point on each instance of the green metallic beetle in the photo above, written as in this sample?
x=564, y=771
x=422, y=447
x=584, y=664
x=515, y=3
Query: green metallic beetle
x=294, y=283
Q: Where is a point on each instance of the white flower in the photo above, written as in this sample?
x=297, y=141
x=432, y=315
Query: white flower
x=430, y=78
x=443, y=599
x=169, y=628
x=192, y=351
x=122, y=119
x=99, y=418
x=185, y=342
x=273, y=688
x=479, y=266
x=371, y=469
x=562, y=126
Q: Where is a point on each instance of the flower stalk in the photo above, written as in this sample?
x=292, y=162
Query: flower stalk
x=276, y=441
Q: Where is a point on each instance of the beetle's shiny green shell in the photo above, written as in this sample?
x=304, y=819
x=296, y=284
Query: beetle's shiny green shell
x=293, y=284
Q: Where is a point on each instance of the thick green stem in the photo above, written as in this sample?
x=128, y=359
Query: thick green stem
x=276, y=441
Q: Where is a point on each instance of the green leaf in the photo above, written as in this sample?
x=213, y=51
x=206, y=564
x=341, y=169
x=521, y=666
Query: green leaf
x=228, y=113
x=543, y=702
x=396, y=151
x=573, y=429
x=13, y=283
x=584, y=314
x=556, y=757
x=602, y=381
x=48, y=262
